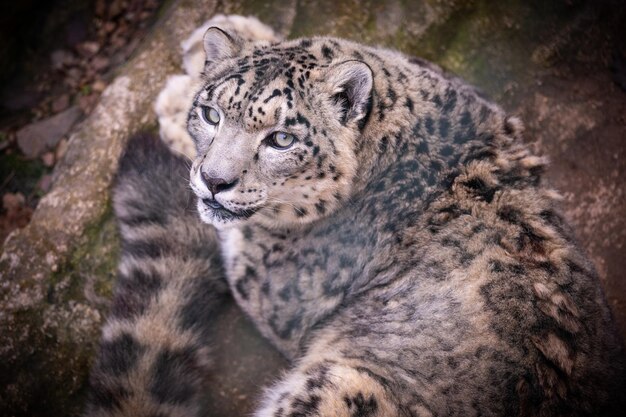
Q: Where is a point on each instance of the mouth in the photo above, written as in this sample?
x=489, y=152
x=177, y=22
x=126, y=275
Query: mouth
x=223, y=213
x=214, y=204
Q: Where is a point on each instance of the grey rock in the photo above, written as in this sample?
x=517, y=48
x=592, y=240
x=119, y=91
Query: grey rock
x=88, y=49
x=61, y=103
x=36, y=138
x=100, y=63
x=62, y=58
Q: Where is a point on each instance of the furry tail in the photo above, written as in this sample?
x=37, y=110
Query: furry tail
x=154, y=351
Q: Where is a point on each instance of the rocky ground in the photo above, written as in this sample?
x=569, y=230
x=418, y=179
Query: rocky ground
x=57, y=63
x=560, y=65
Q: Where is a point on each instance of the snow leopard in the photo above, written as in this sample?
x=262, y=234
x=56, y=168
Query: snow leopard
x=381, y=223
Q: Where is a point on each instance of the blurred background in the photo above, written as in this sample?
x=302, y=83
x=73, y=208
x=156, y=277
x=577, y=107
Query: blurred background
x=558, y=64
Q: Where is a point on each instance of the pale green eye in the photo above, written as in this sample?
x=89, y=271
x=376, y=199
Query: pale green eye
x=282, y=140
x=211, y=115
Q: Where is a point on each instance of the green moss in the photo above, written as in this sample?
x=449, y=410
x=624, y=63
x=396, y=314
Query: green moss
x=85, y=90
x=94, y=260
x=490, y=44
x=21, y=174
x=165, y=7
x=63, y=356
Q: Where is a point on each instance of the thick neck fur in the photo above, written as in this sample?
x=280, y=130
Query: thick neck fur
x=427, y=120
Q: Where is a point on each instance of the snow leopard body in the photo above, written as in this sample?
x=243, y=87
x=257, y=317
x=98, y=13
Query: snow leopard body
x=396, y=243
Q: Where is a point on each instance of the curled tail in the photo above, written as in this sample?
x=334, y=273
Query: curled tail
x=154, y=353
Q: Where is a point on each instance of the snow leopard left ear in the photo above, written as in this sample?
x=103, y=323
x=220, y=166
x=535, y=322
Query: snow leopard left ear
x=219, y=45
x=352, y=87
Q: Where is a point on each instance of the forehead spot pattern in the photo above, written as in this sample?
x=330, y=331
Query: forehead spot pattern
x=266, y=66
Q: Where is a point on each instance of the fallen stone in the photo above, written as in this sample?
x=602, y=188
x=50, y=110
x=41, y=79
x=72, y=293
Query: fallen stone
x=45, y=183
x=109, y=27
x=36, y=138
x=60, y=103
x=62, y=58
x=88, y=49
x=115, y=8
x=13, y=201
x=73, y=77
x=98, y=86
x=16, y=215
x=88, y=102
x=99, y=63
x=61, y=149
x=118, y=41
x=48, y=159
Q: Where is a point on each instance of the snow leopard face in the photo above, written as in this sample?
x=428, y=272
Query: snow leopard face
x=275, y=127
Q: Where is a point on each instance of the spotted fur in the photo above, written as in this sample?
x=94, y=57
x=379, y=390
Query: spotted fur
x=403, y=252
x=169, y=285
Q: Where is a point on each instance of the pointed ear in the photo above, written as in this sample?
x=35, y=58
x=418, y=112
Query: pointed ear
x=219, y=45
x=352, y=84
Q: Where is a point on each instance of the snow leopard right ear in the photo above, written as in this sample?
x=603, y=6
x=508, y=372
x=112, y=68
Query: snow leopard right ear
x=352, y=84
x=219, y=45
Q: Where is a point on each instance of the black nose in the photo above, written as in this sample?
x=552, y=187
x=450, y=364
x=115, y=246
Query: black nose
x=217, y=185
